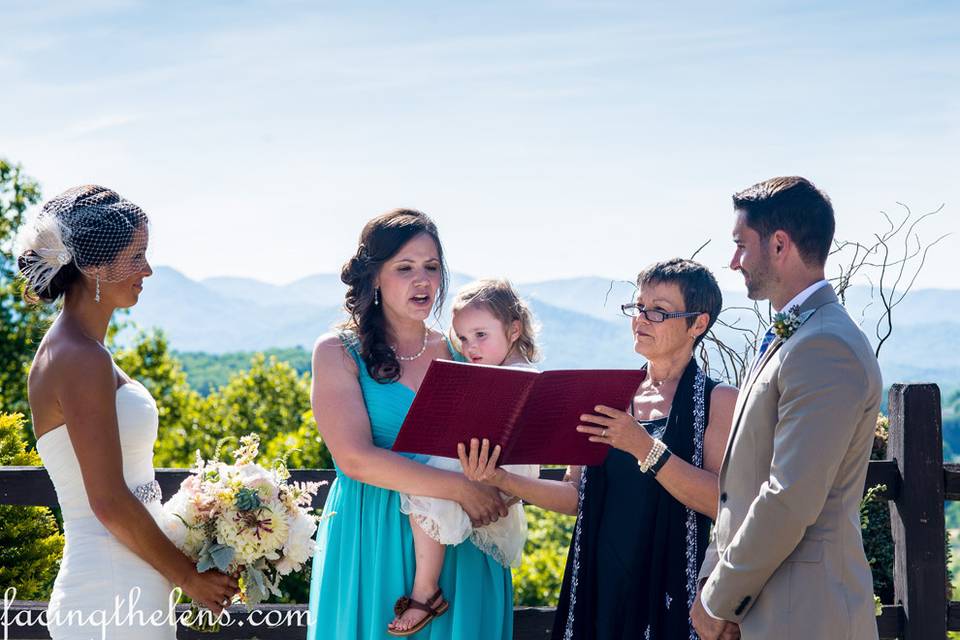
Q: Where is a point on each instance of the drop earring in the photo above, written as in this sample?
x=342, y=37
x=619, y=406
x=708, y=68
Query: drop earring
x=376, y=296
x=97, y=297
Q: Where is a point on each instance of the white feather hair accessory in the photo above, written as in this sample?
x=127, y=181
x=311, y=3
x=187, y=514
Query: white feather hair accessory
x=42, y=251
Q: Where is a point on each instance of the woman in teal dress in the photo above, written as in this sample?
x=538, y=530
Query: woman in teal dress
x=365, y=377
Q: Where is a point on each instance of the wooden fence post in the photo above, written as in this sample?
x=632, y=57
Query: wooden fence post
x=916, y=516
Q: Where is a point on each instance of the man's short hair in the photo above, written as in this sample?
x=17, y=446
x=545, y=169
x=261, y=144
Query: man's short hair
x=794, y=205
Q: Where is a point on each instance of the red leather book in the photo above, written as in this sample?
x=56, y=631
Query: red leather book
x=533, y=416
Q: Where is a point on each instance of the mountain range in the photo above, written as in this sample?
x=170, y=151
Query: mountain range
x=581, y=323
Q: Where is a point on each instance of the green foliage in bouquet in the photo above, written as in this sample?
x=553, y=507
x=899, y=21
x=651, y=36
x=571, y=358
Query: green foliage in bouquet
x=30, y=541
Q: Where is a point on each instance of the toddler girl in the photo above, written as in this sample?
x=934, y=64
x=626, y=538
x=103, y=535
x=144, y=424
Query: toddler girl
x=491, y=326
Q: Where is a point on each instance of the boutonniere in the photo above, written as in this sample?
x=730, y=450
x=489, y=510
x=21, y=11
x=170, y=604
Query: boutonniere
x=786, y=323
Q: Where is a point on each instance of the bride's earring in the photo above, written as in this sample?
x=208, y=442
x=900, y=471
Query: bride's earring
x=376, y=296
x=97, y=297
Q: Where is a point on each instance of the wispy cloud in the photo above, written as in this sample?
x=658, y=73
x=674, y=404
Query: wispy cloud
x=99, y=125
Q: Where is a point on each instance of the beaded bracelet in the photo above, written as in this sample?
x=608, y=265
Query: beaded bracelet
x=652, y=456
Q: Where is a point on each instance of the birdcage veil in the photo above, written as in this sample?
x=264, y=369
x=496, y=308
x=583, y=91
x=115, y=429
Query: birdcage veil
x=94, y=228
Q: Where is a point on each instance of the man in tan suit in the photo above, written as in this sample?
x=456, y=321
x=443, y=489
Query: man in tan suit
x=786, y=560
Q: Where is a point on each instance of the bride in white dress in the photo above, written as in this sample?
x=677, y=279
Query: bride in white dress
x=96, y=428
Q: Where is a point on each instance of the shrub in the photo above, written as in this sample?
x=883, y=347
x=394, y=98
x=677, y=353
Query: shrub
x=875, y=522
x=30, y=540
x=537, y=582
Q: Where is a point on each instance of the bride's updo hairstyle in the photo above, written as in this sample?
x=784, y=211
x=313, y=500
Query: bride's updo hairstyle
x=380, y=240
x=79, y=232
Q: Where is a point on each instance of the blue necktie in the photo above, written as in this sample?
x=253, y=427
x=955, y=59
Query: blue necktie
x=767, y=339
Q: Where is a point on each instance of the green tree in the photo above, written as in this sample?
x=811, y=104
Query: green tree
x=207, y=371
x=272, y=400
x=30, y=541
x=21, y=325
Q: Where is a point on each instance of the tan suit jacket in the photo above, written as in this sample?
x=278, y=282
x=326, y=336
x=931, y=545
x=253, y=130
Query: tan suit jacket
x=786, y=559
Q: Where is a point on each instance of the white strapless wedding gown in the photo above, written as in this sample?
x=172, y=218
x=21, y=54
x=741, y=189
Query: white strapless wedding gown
x=103, y=589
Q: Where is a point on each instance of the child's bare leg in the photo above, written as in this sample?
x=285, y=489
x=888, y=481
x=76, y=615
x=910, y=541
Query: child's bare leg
x=429, y=554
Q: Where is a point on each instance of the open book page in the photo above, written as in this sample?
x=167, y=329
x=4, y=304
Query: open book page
x=459, y=401
x=546, y=431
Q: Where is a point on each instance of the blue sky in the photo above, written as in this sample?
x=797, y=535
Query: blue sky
x=547, y=139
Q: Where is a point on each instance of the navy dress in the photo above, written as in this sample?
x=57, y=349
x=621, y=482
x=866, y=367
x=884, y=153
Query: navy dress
x=636, y=551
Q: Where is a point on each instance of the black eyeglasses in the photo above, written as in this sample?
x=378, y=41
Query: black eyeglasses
x=633, y=310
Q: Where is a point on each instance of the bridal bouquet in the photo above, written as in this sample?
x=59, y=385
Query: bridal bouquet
x=244, y=519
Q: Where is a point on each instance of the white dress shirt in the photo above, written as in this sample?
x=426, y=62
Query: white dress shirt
x=801, y=297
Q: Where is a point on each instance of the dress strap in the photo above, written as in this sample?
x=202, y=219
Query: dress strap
x=352, y=344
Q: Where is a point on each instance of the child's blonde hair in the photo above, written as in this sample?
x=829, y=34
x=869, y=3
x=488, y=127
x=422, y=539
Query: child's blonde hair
x=499, y=298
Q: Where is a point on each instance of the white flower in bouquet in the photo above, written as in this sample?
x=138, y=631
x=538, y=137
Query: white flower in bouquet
x=299, y=547
x=254, y=533
x=183, y=524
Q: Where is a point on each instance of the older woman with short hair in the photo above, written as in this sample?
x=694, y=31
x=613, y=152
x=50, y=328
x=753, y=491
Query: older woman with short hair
x=643, y=516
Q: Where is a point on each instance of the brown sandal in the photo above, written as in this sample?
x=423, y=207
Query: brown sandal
x=405, y=602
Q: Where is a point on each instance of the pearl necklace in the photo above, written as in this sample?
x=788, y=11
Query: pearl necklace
x=423, y=349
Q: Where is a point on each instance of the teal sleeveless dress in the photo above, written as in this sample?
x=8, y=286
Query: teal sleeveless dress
x=364, y=559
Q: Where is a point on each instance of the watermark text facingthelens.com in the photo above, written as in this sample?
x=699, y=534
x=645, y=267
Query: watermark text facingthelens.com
x=126, y=614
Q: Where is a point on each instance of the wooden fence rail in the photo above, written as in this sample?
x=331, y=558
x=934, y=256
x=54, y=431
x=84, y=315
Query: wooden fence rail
x=917, y=484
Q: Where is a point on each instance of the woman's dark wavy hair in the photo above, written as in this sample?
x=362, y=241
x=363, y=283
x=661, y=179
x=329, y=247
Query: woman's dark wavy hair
x=380, y=240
